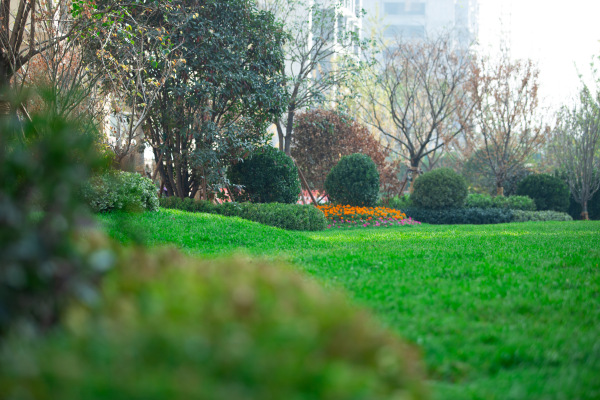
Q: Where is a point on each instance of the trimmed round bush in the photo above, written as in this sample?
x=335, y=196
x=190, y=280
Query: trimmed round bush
x=267, y=176
x=353, y=181
x=548, y=192
x=438, y=189
x=171, y=327
x=119, y=190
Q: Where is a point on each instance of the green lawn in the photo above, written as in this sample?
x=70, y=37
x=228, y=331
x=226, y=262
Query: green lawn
x=506, y=311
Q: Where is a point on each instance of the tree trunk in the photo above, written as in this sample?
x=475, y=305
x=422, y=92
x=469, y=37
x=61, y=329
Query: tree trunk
x=500, y=191
x=279, y=134
x=414, y=174
x=289, y=127
x=584, y=211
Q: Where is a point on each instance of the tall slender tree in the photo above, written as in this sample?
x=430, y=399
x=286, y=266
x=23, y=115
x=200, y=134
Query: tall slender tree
x=507, y=114
x=576, y=145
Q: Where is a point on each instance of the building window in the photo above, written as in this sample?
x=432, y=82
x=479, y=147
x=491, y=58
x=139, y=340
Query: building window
x=404, y=8
x=405, y=31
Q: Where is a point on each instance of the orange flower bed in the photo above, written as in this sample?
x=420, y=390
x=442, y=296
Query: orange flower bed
x=337, y=213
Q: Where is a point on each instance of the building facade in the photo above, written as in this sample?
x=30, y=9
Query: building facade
x=414, y=19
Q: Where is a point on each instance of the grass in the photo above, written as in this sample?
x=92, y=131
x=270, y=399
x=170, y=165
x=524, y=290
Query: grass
x=507, y=311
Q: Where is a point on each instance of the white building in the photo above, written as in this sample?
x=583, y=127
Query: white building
x=418, y=18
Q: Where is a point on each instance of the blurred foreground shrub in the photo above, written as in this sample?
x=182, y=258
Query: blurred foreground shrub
x=171, y=327
x=43, y=164
x=286, y=216
x=119, y=190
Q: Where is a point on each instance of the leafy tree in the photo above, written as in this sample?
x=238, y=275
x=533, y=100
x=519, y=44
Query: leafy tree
x=506, y=115
x=576, y=147
x=322, y=137
x=216, y=105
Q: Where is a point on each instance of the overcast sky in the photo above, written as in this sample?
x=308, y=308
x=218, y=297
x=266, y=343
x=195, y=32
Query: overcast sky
x=557, y=34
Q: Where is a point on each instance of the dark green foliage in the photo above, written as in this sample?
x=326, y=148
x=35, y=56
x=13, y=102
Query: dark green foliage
x=460, y=215
x=524, y=216
x=267, y=176
x=399, y=202
x=353, y=181
x=513, y=202
x=286, y=216
x=480, y=178
x=548, y=192
x=593, y=207
x=43, y=164
x=439, y=189
x=174, y=328
x=118, y=190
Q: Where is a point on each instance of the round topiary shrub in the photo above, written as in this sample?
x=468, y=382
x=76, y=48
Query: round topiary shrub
x=267, y=176
x=170, y=327
x=353, y=181
x=440, y=188
x=548, y=192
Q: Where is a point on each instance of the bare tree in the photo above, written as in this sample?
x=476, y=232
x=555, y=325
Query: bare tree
x=70, y=89
x=134, y=56
x=320, y=55
x=419, y=100
x=507, y=115
x=576, y=147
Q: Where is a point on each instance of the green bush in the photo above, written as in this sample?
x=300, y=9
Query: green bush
x=548, y=192
x=118, y=190
x=486, y=201
x=286, y=216
x=267, y=176
x=173, y=328
x=43, y=164
x=477, y=200
x=353, y=181
x=399, y=202
x=439, y=189
x=452, y=216
x=524, y=216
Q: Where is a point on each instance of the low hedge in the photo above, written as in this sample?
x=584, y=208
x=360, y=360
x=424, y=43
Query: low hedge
x=524, y=216
x=477, y=200
x=286, y=216
x=449, y=216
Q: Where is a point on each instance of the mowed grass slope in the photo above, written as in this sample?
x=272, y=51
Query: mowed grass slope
x=500, y=311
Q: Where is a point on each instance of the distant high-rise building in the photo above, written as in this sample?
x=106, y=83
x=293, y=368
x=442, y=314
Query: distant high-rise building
x=413, y=19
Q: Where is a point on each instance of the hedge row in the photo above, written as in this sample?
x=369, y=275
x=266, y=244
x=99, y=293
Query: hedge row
x=524, y=216
x=286, y=216
x=460, y=215
x=478, y=216
x=477, y=200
